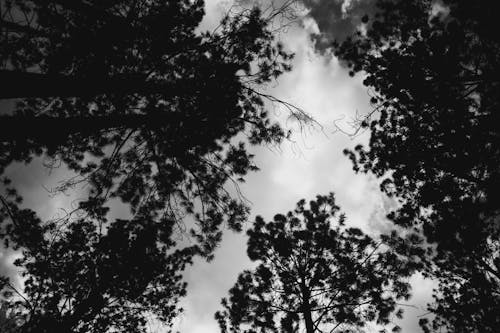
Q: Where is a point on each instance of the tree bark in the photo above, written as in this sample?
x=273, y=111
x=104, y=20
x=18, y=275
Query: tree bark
x=44, y=129
x=306, y=307
x=17, y=84
x=50, y=131
x=87, y=8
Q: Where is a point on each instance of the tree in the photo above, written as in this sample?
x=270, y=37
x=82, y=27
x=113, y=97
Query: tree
x=142, y=108
x=170, y=142
x=465, y=302
x=316, y=273
x=87, y=280
x=432, y=68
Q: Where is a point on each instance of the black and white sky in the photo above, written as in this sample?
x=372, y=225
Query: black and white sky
x=312, y=163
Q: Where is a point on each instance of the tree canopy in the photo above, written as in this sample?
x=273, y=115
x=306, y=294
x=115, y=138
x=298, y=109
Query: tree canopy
x=431, y=68
x=140, y=107
x=144, y=108
x=315, y=273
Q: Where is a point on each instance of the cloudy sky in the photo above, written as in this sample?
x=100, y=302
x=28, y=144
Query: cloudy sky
x=312, y=163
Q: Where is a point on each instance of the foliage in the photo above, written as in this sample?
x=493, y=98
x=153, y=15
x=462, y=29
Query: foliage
x=86, y=280
x=9, y=323
x=316, y=273
x=465, y=302
x=431, y=67
x=173, y=144
x=144, y=109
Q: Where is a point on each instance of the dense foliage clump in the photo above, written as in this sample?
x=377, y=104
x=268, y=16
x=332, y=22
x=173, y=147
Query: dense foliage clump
x=431, y=67
x=315, y=273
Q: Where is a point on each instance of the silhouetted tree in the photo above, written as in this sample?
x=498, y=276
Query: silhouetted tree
x=170, y=145
x=142, y=108
x=314, y=272
x=432, y=68
x=467, y=300
x=83, y=279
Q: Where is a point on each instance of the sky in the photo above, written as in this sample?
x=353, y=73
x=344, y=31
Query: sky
x=311, y=163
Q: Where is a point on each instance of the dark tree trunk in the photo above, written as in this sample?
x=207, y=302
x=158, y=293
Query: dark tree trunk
x=45, y=129
x=308, y=320
x=306, y=307
x=54, y=132
x=86, y=8
x=17, y=84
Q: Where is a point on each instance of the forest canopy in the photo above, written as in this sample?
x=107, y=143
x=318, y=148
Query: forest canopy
x=143, y=106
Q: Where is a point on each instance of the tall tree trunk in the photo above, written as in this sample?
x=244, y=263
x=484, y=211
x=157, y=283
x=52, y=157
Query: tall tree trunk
x=17, y=84
x=49, y=129
x=306, y=307
x=95, y=10
x=308, y=320
x=54, y=130
x=186, y=132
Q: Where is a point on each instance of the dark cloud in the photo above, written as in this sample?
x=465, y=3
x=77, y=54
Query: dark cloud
x=337, y=19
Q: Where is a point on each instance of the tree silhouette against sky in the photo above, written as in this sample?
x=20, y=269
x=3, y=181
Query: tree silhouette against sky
x=315, y=273
x=142, y=108
x=432, y=70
